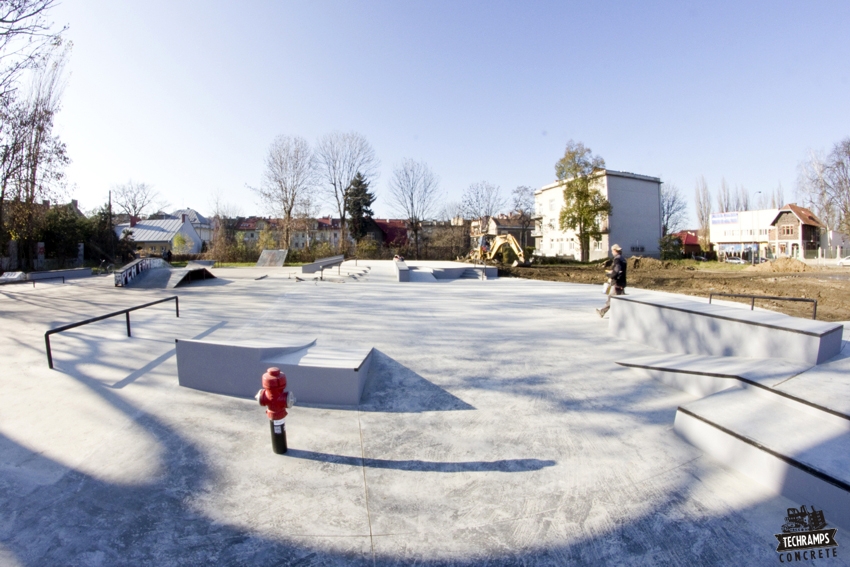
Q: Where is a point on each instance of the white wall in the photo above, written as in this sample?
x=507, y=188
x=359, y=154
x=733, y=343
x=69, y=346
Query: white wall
x=635, y=219
x=189, y=231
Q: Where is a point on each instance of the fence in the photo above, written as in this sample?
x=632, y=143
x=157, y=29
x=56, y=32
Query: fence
x=753, y=298
x=100, y=318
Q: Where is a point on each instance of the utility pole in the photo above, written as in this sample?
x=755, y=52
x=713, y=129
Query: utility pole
x=111, y=230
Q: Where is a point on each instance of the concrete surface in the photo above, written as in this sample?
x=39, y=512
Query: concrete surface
x=688, y=326
x=495, y=429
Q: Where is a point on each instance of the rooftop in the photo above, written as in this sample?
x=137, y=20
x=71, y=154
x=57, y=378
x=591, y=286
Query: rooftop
x=151, y=230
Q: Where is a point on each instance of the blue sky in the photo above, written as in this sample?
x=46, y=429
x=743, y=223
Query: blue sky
x=187, y=96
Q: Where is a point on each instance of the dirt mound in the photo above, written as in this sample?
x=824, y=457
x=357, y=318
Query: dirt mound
x=782, y=265
x=641, y=263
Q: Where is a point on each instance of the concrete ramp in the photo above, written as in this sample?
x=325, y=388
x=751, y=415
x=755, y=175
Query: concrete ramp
x=181, y=276
x=422, y=275
x=272, y=258
x=169, y=278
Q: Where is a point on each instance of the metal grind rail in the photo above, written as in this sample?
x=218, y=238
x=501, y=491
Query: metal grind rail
x=100, y=318
x=34, y=281
x=753, y=298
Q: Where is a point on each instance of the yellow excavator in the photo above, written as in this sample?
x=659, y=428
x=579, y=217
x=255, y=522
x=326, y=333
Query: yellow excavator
x=489, y=246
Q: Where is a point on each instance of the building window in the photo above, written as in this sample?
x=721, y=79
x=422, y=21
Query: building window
x=787, y=230
x=551, y=204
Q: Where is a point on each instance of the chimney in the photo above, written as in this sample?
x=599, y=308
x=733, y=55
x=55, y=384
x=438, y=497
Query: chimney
x=74, y=204
x=133, y=221
x=183, y=218
x=45, y=203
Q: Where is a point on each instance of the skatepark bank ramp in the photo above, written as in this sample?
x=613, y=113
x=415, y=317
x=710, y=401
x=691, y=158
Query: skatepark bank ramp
x=164, y=276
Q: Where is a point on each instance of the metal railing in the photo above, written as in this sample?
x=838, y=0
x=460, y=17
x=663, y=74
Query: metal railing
x=100, y=318
x=753, y=298
x=36, y=280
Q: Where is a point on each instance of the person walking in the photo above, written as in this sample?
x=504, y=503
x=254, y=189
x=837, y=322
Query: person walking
x=617, y=278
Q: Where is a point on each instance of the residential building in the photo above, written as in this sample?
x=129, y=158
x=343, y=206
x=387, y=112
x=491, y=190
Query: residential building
x=797, y=233
x=519, y=226
x=157, y=236
x=690, y=242
x=791, y=231
x=392, y=232
x=634, y=222
x=200, y=223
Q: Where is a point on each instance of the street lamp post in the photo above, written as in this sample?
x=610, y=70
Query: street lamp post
x=756, y=231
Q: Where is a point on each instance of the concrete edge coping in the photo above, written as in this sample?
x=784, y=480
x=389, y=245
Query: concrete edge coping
x=815, y=472
x=705, y=310
x=669, y=365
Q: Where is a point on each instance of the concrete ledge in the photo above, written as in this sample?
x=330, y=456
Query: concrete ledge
x=315, y=375
x=402, y=271
x=690, y=327
x=705, y=375
x=321, y=264
x=67, y=274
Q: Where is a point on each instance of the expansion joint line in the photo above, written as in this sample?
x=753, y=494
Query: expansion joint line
x=365, y=486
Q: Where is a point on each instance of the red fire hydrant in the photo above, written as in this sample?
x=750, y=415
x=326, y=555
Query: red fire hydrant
x=274, y=396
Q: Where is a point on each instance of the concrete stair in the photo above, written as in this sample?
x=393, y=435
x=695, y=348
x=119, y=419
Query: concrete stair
x=472, y=274
x=792, y=446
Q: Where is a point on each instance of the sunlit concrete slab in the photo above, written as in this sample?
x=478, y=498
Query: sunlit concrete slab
x=495, y=427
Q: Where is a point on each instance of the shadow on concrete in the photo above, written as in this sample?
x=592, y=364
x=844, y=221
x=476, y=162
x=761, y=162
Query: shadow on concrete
x=135, y=375
x=68, y=517
x=394, y=388
x=503, y=465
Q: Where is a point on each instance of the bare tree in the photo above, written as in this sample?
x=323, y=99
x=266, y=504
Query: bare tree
x=481, y=201
x=339, y=157
x=40, y=157
x=777, y=198
x=674, y=209
x=455, y=233
x=289, y=176
x=26, y=39
x=522, y=202
x=413, y=194
x=742, y=199
x=702, y=200
x=135, y=198
x=724, y=198
x=824, y=184
x=224, y=219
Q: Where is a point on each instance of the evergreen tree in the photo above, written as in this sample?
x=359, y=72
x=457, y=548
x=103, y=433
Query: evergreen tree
x=358, y=201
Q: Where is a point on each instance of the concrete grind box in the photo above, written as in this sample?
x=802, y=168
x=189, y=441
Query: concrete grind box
x=316, y=375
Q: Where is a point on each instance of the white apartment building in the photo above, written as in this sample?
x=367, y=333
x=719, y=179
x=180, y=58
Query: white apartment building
x=743, y=233
x=634, y=222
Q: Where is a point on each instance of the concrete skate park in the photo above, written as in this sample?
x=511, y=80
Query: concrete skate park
x=500, y=422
